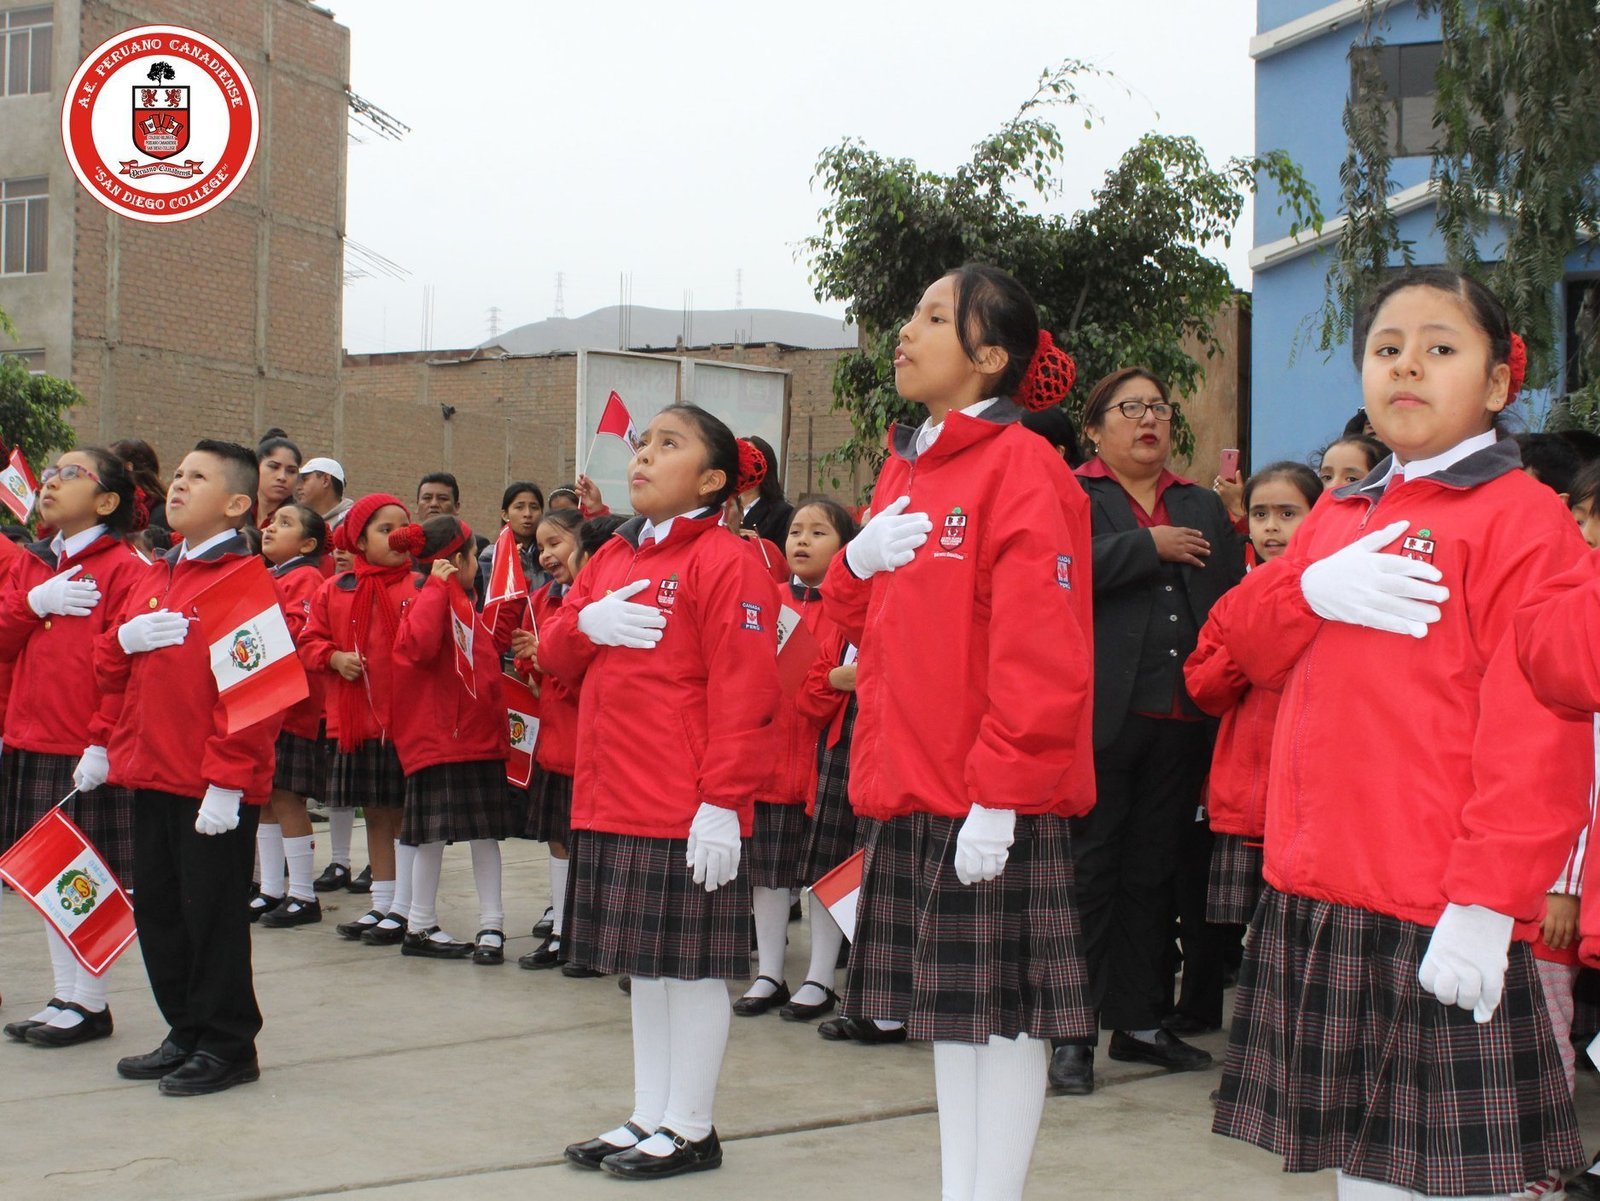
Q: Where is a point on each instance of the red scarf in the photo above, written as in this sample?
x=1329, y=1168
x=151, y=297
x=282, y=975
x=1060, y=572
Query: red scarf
x=372, y=596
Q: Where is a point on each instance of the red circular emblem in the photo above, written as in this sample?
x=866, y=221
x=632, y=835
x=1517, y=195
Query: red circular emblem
x=160, y=123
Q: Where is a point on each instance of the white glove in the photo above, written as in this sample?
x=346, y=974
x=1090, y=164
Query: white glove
x=714, y=846
x=984, y=843
x=152, y=631
x=614, y=620
x=92, y=769
x=1465, y=963
x=64, y=596
x=219, y=810
x=888, y=541
x=1362, y=586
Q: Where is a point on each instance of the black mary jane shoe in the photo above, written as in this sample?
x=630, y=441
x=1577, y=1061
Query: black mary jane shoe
x=589, y=1154
x=204, y=1073
x=261, y=904
x=489, y=953
x=545, y=956
x=376, y=936
x=354, y=930
x=796, y=1012
x=334, y=877
x=153, y=1065
x=93, y=1026
x=751, y=1007
x=634, y=1164
x=363, y=882
x=426, y=946
x=19, y=1030
x=839, y=1030
x=294, y=912
x=578, y=971
x=546, y=925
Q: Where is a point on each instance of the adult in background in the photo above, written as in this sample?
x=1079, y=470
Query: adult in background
x=280, y=472
x=1164, y=551
x=321, y=487
x=139, y=457
x=765, y=510
x=1056, y=428
x=439, y=495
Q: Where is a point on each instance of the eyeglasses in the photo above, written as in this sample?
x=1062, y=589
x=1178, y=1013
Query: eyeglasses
x=67, y=474
x=1134, y=410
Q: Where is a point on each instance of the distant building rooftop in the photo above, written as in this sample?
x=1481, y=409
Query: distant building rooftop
x=638, y=328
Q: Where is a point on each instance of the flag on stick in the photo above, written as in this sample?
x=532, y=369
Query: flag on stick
x=253, y=658
x=618, y=422
x=839, y=890
x=21, y=490
x=58, y=872
x=507, y=580
x=522, y=716
x=463, y=622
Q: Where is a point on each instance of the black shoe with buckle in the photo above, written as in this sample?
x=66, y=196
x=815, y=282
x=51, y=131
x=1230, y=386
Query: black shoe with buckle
x=426, y=946
x=685, y=1156
x=93, y=1026
x=363, y=882
x=1167, y=1050
x=261, y=904
x=19, y=1030
x=335, y=876
x=380, y=936
x=589, y=1154
x=546, y=924
x=294, y=912
x=204, y=1073
x=354, y=930
x=546, y=955
x=1072, y=1069
x=794, y=1011
x=487, y=951
x=153, y=1065
x=839, y=1030
x=750, y=1007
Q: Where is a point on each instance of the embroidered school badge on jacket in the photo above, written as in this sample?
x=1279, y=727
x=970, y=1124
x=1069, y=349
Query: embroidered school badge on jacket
x=1419, y=547
x=1064, y=572
x=952, y=535
x=752, y=615
x=667, y=592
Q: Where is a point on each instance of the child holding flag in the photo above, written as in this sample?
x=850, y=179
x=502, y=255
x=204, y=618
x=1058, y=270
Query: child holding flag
x=521, y=507
x=62, y=595
x=197, y=791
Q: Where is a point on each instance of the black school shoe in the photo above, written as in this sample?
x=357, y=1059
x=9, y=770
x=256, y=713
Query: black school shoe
x=634, y=1164
x=93, y=1026
x=354, y=930
x=334, y=876
x=546, y=925
x=426, y=946
x=377, y=936
x=840, y=1030
x=262, y=904
x=363, y=882
x=19, y=1030
x=546, y=955
x=1167, y=1051
x=204, y=1073
x=1072, y=1069
x=576, y=971
x=153, y=1065
x=294, y=912
x=796, y=1012
x=488, y=954
x=750, y=1007
x=589, y=1154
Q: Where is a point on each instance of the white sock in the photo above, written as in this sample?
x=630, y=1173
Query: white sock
x=486, y=875
x=698, y=1014
x=403, y=858
x=955, y=1082
x=1351, y=1188
x=1010, y=1100
x=383, y=896
x=90, y=990
x=301, y=855
x=64, y=969
x=771, y=908
x=341, y=829
x=269, y=851
x=427, y=861
x=558, y=895
x=652, y=1059
x=826, y=939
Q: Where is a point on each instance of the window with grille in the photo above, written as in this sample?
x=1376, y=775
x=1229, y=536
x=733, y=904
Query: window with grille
x=25, y=45
x=24, y=225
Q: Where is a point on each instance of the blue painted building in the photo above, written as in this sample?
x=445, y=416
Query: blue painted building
x=1300, y=397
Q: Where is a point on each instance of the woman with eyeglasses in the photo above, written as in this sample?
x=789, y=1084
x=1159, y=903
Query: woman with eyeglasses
x=1164, y=551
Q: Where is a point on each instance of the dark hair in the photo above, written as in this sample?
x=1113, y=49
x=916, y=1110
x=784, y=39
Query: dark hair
x=275, y=432
x=140, y=460
x=312, y=524
x=1376, y=451
x=1586, y=444
x=1356, y=427
x=838, y=516
x=1487, y=312
x=1094, y=409
x=1055, y=426
x=115, y=479
x=240, y=467
x=441, y=477
x=596, y=532
x=275, y=440
x=1551, y=458
x=439, y=531
x=722, y=448
x=1298, y=474
x=564, y=490
x=771, y=486
x=993, y=309
x=252, y=537
x=334, y=482
x=516, y=490
x=1585, y=487
x=567, y=519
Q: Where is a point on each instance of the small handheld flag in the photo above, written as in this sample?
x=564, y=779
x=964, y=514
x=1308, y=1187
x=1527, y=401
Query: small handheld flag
x=522, y=717
x=253, y=658
x=58, y=872
x=507, y=580
x=798, y=649
x=618, y=422
x=20, y=490
x=462, y=628
x=839, y=891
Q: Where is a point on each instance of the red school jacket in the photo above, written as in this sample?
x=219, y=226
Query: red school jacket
x=1412, y=773
x=794, y=775
x=169, y=735
x=691, y=720
x=1236, y=792
x=439, y=721
x=299, y=580
x=331, y=626
x=56, y=705
x=557, y=748
x=975, y=672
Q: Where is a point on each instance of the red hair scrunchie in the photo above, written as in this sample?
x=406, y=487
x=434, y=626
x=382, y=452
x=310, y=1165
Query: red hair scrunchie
x=1517, y=360
x=1050, y=376
x=752, y=467
x=408, y=539
x=141, y=510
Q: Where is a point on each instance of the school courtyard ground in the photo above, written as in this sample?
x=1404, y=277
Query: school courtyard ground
x=394, y=1079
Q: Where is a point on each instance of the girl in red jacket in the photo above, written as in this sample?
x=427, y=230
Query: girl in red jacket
x=294, y=545
x=451, y=737
x=973, y=743
x=63, y=593
x=1276, y=500
x=1388, y=1021
x=675, y=738
x=550, y=791
x=349, y=636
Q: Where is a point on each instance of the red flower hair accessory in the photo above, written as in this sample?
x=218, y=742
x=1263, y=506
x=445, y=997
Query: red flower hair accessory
x=752, y=467
x=408, y=539
x=1517, y=360
x=1050, y=376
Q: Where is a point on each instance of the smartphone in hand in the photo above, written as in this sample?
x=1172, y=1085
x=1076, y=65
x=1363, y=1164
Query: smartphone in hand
x=1228, y=464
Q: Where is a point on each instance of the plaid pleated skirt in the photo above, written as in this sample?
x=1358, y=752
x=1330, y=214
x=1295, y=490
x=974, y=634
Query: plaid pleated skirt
x=1337, y=1058
x=771, y=855
x=549, y=807
x=634, y=909
x=1235, y=883
x=302, y=765
x=369, y=777
x=834, y=834
x=33, y=784
x=960, y=963
x=459, y=802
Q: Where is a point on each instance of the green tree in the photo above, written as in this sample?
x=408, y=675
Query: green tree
x=33, y=407
x=1518, y=118
x=1126, y=280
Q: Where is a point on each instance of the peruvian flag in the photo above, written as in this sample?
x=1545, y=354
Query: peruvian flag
x=798, y=649
x=252, y=652
x=507, y=581
x=21, y=489
x=462, y=628
x=618, y=422
x=58, y=871
x=839, y=890
x=522, y=717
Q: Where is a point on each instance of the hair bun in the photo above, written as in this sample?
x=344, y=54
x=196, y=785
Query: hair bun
x=408, y=539
x=752, y=467
x=1517, y=360
x=1049, y=377
x=141, y=510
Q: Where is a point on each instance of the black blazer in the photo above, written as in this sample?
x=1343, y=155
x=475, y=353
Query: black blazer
x=770, y=519
x=1127, y=570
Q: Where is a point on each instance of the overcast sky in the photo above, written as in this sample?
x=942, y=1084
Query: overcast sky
x=676, y=142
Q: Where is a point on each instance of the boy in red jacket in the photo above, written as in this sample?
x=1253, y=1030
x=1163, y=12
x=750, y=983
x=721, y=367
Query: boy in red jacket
x=197, y=791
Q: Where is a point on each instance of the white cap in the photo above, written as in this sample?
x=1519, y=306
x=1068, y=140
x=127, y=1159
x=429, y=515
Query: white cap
x=326, y=466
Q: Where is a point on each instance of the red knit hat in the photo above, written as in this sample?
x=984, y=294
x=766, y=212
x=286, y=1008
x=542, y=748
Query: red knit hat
x=360, y=514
